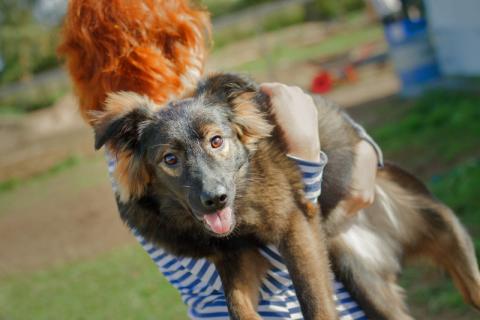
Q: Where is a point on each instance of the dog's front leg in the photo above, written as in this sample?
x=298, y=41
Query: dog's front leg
x=241, y=274
x=304, y=250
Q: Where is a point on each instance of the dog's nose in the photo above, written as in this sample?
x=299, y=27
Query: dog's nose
x=215, y=199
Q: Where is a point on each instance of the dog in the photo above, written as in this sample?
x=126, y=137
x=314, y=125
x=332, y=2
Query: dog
x=190, y=175
x=197, y=177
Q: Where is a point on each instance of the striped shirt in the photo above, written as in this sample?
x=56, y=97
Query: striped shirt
x=199, y=283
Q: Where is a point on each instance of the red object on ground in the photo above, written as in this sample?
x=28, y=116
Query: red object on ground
x=350, y=73
x=322, y=82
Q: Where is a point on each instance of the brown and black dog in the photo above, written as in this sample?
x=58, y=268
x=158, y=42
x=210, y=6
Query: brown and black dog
x=207, y=176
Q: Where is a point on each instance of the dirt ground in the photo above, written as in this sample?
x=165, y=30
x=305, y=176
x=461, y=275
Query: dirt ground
x=60, y=218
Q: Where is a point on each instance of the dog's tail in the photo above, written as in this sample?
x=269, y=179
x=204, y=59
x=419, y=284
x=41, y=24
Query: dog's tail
x=155, y=48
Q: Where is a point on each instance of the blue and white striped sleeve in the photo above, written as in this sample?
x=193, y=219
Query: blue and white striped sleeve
x=200, y=287
x=312, y=173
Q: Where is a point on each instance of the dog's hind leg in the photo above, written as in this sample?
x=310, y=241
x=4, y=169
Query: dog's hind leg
x=448, y=244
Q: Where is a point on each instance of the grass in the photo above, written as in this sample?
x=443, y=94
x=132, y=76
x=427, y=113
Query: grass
x=224, y=7
x=340, y=43
x=119, y=285
x=27, y=50
x=441, y=127
x=459, y=189
x=11, y=184
x=272, y=22
x=32, y=99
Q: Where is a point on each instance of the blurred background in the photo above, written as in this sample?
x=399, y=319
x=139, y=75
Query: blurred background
x=409, y=71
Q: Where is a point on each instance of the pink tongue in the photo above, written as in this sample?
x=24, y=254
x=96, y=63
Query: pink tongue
x=221, y=221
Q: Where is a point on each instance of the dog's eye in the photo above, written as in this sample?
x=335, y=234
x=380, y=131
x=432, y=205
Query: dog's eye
x=170, y=159
x=216, y=142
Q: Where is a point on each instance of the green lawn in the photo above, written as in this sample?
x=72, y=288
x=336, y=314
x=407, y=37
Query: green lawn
x=337, y=44
x=32, y=98
x=124, y=284
x=441, y=128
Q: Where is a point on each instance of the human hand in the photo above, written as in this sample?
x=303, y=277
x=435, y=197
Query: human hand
x=362, y=189
x=296, y=113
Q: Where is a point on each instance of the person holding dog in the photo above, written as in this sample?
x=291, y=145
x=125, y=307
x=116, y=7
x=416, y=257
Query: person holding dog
x=197, y=280
x=158, y=49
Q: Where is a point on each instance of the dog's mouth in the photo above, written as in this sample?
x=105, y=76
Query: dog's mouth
x=221, y=222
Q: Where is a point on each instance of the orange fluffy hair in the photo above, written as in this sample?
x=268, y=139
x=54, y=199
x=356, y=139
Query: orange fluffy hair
x=155, y=48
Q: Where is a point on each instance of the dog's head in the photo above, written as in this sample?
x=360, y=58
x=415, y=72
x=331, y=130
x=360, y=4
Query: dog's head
x=197, y=148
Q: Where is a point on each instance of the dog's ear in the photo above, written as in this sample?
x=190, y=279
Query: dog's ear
x=226, y=86
x=120, y=128
x=249, y=119
x=248, y=104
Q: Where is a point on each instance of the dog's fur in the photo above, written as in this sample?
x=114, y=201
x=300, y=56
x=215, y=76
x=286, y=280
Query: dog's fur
x=367, y=251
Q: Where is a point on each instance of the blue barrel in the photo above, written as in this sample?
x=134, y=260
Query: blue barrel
x=413, y=55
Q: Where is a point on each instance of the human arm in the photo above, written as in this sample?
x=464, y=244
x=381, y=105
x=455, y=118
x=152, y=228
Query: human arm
x=297, y=115
x=368, y=158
